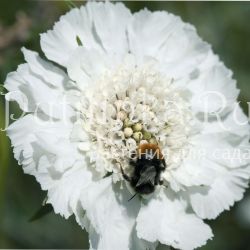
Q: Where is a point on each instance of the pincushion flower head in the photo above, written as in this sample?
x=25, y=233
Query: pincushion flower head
x=114, y=85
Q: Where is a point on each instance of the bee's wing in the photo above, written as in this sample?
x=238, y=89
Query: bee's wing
x=148, y=175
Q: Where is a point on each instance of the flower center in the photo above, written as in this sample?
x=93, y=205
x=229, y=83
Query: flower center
x=133, y=105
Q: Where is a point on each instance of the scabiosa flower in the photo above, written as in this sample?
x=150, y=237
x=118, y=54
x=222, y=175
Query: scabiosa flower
x=117, y=81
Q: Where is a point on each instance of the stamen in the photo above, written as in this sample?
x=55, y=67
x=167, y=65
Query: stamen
x=137, y=112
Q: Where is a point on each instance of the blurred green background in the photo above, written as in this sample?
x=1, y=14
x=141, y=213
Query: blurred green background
x=225, y=25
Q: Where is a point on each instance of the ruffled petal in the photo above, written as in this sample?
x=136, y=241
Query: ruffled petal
x=44, y=150
x=224, y=141
x=165, y=37
x=228, y=187
x=25, y=132
x=46, y=70
x=234, y=123
x=96, y=27
x=226, y=149
x=226, y=152
x=59, y=43
x=85, y=66
x=112, y=34
x=65, y=193
x=192, y=172
x=165, y=219
x=214, y=91
x=39, y=86
x=111, y=215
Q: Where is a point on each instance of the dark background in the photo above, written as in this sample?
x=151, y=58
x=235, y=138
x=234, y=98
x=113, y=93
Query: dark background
x=225, y=25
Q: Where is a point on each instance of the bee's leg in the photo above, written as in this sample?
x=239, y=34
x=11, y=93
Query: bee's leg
x=125, y=176
x=161, y=182
x=163, y=165
x=157, y=179
x=132, y=163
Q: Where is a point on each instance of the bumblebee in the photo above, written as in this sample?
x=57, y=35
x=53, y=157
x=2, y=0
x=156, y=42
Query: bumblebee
x=148, y=165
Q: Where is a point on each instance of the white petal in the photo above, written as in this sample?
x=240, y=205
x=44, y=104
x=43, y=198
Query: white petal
x=96, y=27
x=59, y=43
x=227, y=188
x=19, y=90
x=225, y=142
x=165, y=219
x=226, y=149
x=39, y=86
x=66, y=191
x=78, y=134
x=111, y=32
x=46, y=70
x=111, y=215
x=135, y=242
x=85, y=66
x=214, y=91
x=192, y=172
x=44, y=150
x=165, y=37
x=65, y=152
x=23, y=133
x=33, y=139
x=236, y=123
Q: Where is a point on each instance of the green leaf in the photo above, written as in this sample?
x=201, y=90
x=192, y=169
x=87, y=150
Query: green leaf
x=43, y=211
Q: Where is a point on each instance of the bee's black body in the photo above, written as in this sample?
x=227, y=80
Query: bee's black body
x=147, y=170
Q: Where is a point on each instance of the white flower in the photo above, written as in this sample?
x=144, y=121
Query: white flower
x=127, y=79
